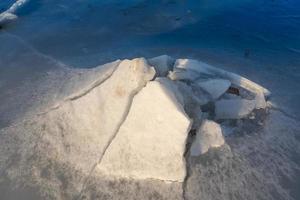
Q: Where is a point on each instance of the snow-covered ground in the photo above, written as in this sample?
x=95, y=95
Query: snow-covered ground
x=257, y=39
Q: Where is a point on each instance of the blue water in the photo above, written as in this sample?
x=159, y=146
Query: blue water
x=259, y=39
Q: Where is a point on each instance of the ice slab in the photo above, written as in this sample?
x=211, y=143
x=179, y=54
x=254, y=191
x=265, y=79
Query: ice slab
x=151, y=141
x=162, y=64
x=215, y=87
x=233, y=108
x=85, y=122
x=193, y=69
x=209, y=135
x=260, y=101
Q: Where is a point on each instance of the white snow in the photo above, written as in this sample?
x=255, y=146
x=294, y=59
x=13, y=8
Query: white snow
x=215, y=87
x=233, y=108
x=209, y=135
x=151, y=141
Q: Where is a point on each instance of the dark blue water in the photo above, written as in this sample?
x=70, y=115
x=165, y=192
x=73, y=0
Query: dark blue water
x=259, y=39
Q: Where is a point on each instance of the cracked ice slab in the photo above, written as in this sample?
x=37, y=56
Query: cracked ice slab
x=151, y=141
x=85, y=124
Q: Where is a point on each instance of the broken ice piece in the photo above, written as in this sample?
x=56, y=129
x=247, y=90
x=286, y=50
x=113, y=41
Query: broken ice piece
x=260, y=101
x=215, y=87
x=151, y=143
x=203, y=68
x=209, y=135
x=233, y=108
x=162, y=64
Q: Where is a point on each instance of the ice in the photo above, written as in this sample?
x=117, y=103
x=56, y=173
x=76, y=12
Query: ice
x=9, y=14
x=162, y=64
x=6, y=17
x=114, y=124
x=233, y=108
x=193, y=69
x=85, y=122
x=209, y=135
x=260, y=101
x=215, y=87
x=151, y=141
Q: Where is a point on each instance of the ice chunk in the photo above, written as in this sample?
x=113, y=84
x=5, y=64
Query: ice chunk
x=162, y=64
x=178, y=74
x=7, y=17
x=192, y=65
x=215, y=87
x=209, y=135
x=9, y=14
x=151, y=141
x=233, y=108
x=195, y=66
x=82, y=125
x=260, y=101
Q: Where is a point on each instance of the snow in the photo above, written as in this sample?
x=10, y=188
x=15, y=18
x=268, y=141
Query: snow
x=233, y=108
x=151, y=141
x=209, y=135
x=215, y=87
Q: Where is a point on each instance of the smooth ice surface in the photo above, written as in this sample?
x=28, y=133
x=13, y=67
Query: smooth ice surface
x=151, y=141
x=215, y=87
x=233, y=108
x=209, y=135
